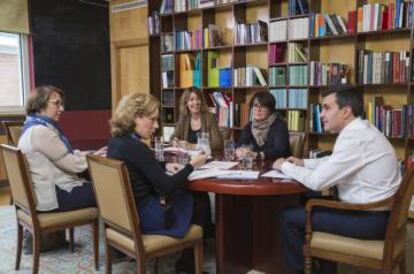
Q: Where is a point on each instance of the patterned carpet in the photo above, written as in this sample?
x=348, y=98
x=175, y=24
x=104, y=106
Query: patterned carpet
x=81, y=261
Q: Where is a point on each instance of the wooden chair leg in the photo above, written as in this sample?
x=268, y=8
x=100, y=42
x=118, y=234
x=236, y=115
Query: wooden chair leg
x=402, y=265
x=308, y=265
x=19, y=246
x=95, y=235
x=156, y=266
x=108, y=259
x=71, y=241
x=198, y=257
x=36, y=251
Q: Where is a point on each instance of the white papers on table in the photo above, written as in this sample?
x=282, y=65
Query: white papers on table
x=219, y=165
x=276, y=174
x=206, y=173
x=240, y=174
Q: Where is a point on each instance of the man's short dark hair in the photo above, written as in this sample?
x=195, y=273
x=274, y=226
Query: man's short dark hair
x=348, y=96
x=265, y=99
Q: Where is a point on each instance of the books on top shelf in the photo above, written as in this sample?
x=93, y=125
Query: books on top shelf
x=382, y=67
x=180, y=5
x=375, y=17
x=250, y=33
x=298, y=7
x=167, y=7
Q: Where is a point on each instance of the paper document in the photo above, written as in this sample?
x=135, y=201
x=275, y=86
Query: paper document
x=276, y=174
x=206, y=173
x=240, y=174
x=219, y=165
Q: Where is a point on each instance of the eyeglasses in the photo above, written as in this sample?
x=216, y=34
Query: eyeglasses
x=57, y=102
x=259, y=107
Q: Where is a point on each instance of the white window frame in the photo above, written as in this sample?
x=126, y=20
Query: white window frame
x=24, y=67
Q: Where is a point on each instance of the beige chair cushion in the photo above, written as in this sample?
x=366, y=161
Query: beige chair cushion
x=60, y=218
x=351, y=246
x=153, y=243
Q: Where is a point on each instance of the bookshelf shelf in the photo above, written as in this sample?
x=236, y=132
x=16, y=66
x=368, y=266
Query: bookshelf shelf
x=250, y=45
x=384, y=32
x=333, y=37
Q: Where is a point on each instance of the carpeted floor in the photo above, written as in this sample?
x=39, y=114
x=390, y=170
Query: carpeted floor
x=81, y=261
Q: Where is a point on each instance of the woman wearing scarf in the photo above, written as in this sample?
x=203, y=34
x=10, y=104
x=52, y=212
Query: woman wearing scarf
x=53, y=163
x=267, y=134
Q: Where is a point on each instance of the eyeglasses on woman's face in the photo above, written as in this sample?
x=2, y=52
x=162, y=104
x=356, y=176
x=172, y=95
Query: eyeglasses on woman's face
x=58, y=103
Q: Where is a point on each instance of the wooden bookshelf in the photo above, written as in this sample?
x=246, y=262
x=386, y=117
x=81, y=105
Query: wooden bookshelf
x=342, y=48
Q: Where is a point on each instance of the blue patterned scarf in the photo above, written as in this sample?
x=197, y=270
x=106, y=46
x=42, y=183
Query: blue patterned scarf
x=36, y=119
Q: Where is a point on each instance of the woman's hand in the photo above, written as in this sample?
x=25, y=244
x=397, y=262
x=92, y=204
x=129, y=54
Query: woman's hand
x=173, y=167
x=198, y=160
x=101, y=152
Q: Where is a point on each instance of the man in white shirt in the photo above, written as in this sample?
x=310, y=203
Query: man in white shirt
x=363, y=167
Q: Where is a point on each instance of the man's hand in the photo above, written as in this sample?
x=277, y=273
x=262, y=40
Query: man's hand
x=173, y=167
x=278, y=163
x=296, y=161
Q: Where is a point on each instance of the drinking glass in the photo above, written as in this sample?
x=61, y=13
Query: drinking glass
x=183, y=153
x=229, y=150
x=159, y=148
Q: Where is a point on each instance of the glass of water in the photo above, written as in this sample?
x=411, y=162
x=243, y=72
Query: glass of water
x=183, y=153
x=229, y=150
x=159, y=148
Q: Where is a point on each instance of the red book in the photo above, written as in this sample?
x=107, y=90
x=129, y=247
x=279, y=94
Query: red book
x=391, y=16
x=385, y=19
x=351, y=21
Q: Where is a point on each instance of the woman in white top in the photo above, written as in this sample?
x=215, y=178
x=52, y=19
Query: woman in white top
x=53, y=163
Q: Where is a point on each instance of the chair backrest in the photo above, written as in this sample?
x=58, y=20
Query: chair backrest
x=296, y=141
x=114, y=197
x=400, y=206
x=13, y=131
x=17, y=170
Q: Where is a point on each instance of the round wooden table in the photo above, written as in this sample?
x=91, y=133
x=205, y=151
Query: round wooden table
x=247, y=228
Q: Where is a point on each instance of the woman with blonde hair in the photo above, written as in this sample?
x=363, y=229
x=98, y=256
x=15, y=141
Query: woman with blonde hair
x=195, y=118
x=136, y=118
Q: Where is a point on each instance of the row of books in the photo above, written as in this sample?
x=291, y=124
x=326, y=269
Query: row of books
x=297, y=7
x=374, y=17
x=294, y=53
x=167, y=62
x=298, y=75
x=327, y=25
x=249, y=76
x=223, y=108
x=382, y=67
x=168, y=98
x=294, y=98
x=315, y=123
x=298, y=29
x=326, y=74
x=154, y=23
x=277, y=76
x=296, y=120
x=250, y=33
x=189, y=70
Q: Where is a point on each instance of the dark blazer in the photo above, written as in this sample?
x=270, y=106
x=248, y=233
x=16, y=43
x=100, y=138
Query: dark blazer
x=277, y=143
x=147, y=175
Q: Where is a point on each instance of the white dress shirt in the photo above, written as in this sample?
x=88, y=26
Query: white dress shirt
x=363, y=166
x=50, y=164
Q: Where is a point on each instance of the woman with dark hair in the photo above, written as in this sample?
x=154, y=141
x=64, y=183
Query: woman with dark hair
x=267, y=134
x=194, y=118
x=53, y=162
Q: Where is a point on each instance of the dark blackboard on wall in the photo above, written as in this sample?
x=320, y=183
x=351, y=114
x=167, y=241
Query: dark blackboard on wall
x=71, y=50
